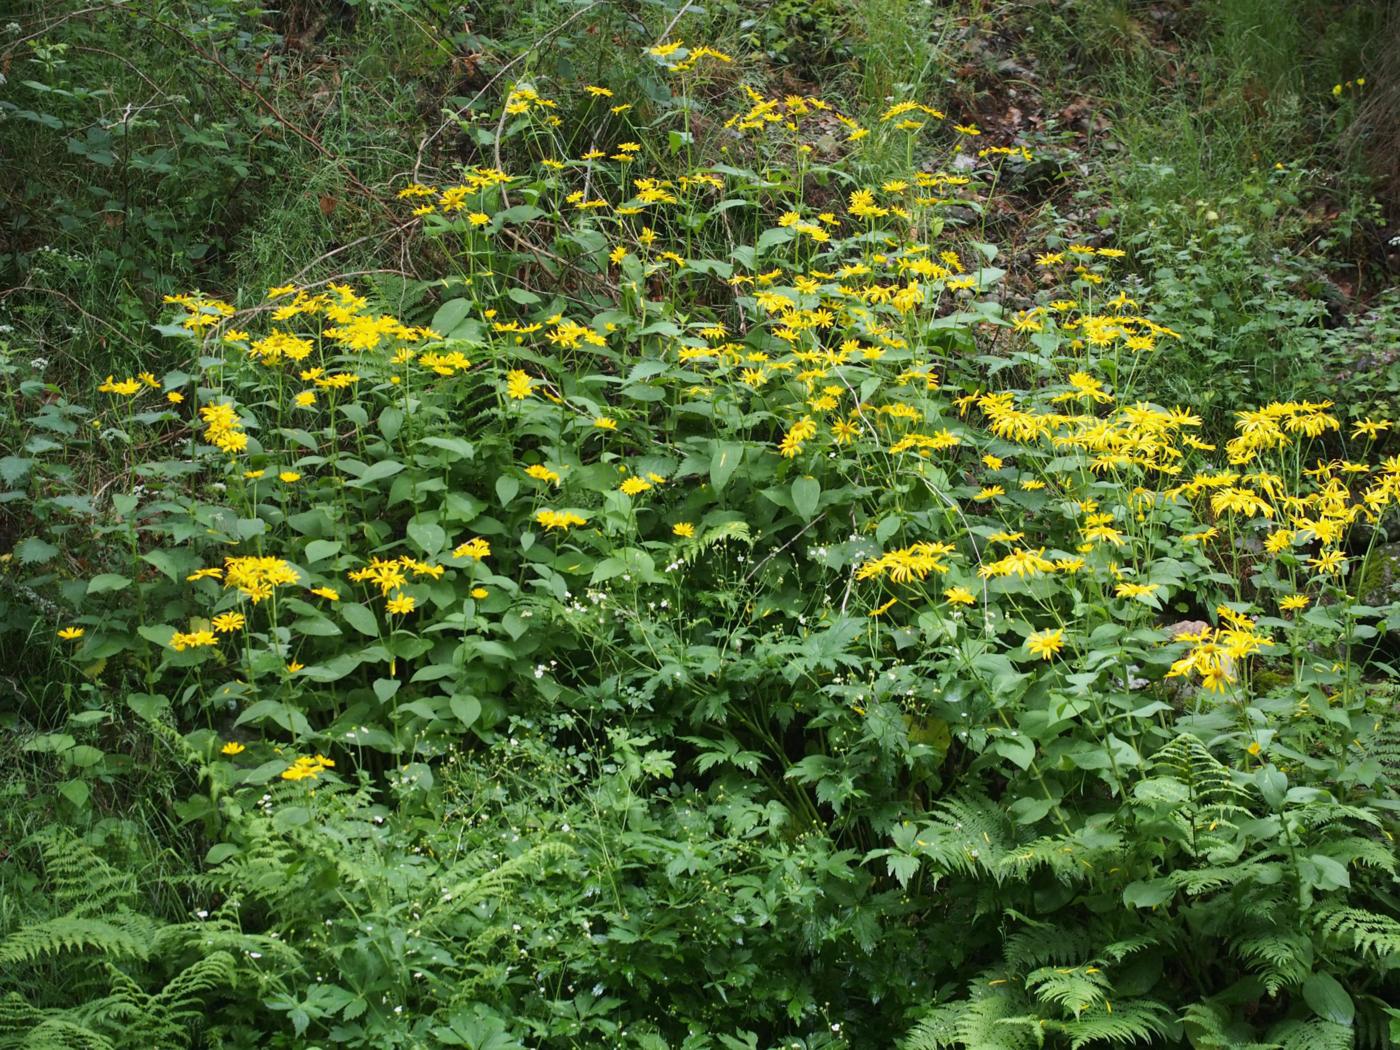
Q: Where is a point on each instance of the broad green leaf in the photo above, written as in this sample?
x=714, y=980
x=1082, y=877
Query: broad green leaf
x=466, y=708
x=724, y=460
x=360, y=618
x=806, y=493
x=431, y=538
x=1328, y=999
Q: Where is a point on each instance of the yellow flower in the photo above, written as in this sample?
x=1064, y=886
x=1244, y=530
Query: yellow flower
x=124, y=387
x=479, y=592
x=306, y=399
x=478, y=218
x=233, y=747
x=71, y=634
x=1046, y=644
x=175, y=397
x=192, y=640
x=992, y=462
x=1330, y=562
x=684, y=529
x=205, y=574
x=1295, y=602
x=307, y=767
x=1136, y=590
x=326, y=593
x=598, y=92
x=959, y=596
x=401, y=604
x=880, y=611
x=542, y=473
x=518, y=384
x=253, y=475
x=556, y=519
x=605, y=423
x=294, y=667
x=228, y=622
x=990, y=492
x=475, y=548
x=635, y=486
x=289, y=476
x=1254, y=749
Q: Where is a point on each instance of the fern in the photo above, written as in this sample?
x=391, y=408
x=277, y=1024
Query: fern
x=1364, y=931
x=73, y=933
x=990, y=1019
x=1211, y=1027
x=1312, y=1035
x=1197, y=793
x=1279, y=959
x=103, y=966
x=966, y=836
x=1072, y=988
x=1134, y=1021
x=466, y=884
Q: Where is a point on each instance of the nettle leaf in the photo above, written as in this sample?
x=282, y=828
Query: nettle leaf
x=14, y=468
x=34, y=551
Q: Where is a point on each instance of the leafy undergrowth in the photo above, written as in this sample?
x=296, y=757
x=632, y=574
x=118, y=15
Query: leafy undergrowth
x=706, y=616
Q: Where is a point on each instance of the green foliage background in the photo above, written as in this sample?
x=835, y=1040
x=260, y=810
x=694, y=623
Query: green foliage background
x=715, y=814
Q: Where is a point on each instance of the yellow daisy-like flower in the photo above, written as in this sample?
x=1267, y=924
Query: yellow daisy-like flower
x=478, y=218
x=326, y=593
x=518, y=384
x=479, y=593
x=635, y=486
x=1295, y=602
x=1046, y=644
x=960, y=596
x=233, y=747
x=684, y=529
x=71, y=634
x=289, y=476
x=226, y=623
x=401, y=604
x=605, y=423
x=475, y=548
x=558, y=519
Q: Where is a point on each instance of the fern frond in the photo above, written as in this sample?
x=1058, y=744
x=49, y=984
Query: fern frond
x=1210, y=1027
x=1365, y=931
x=1075, y=989
x=966, y=836
x=1132, y=1021
x=1280, y=960
x=29, y=944
x=1043, y=944
x=1312, y=1035
x=990, y=1019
